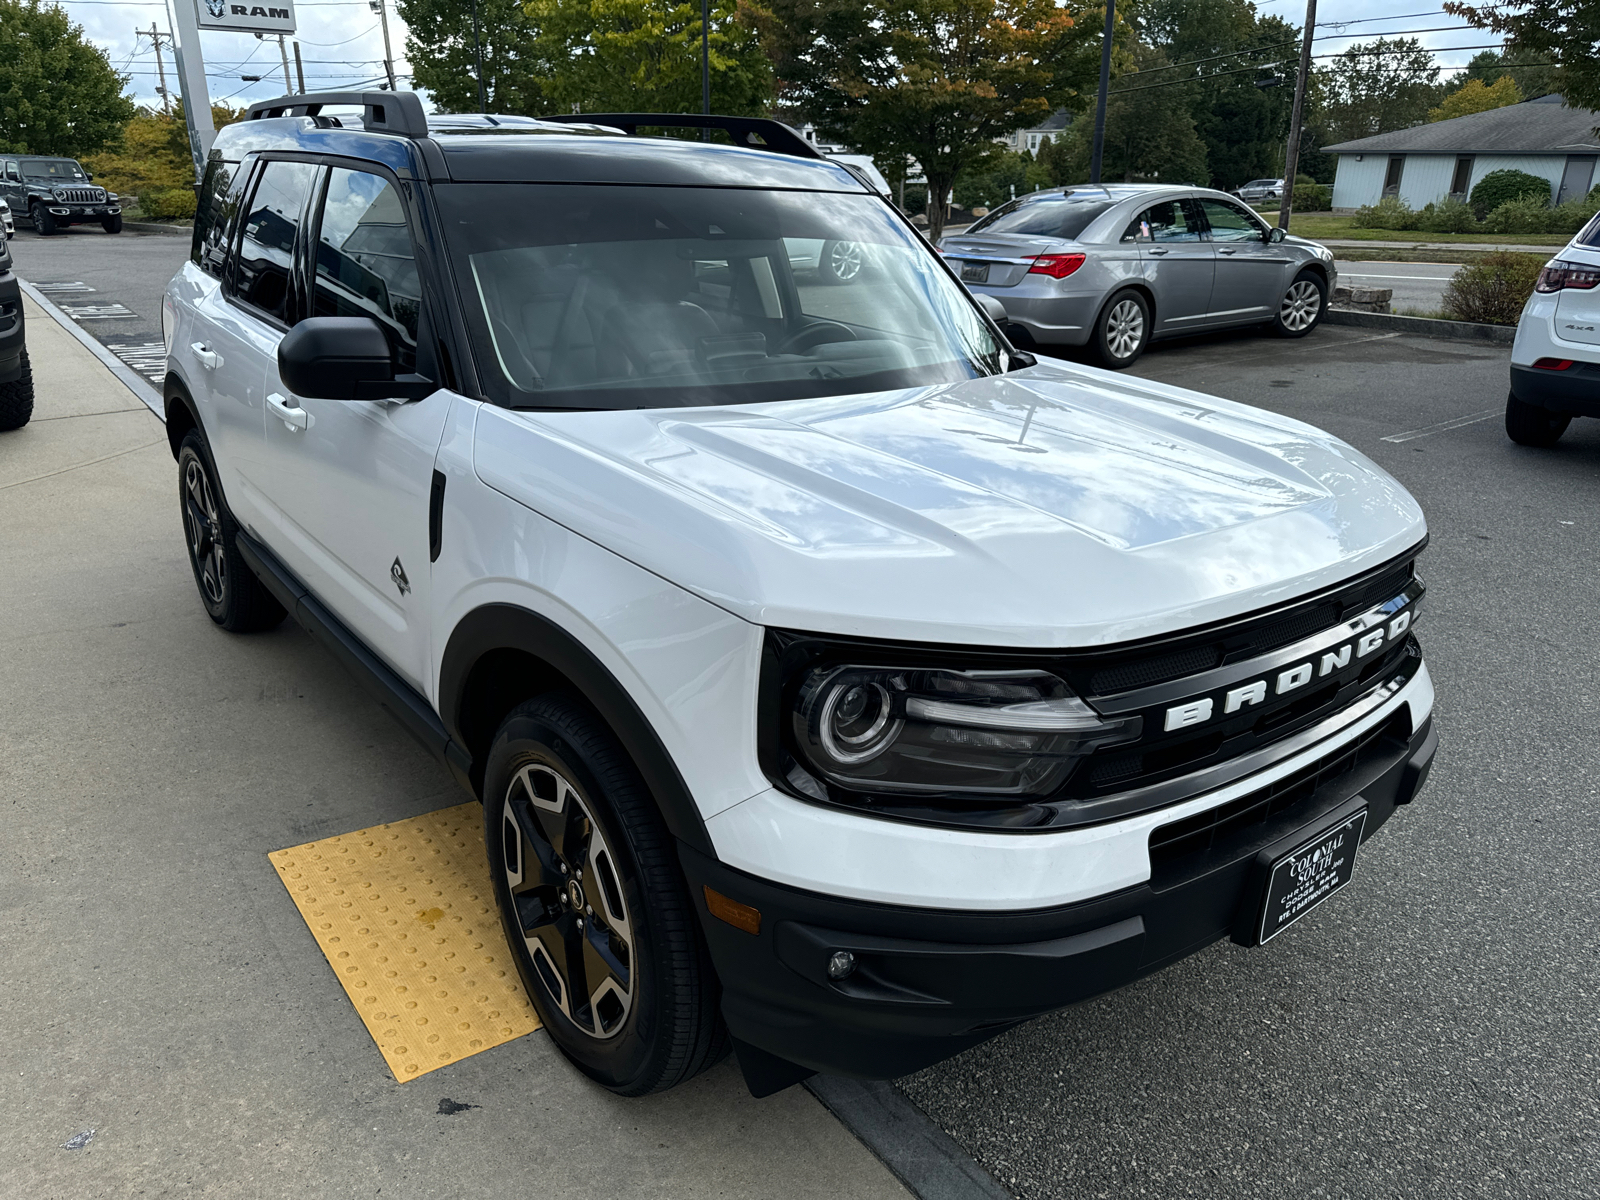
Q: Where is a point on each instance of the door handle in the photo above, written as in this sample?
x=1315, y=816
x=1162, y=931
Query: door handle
x=291, y=415
x=206, y=356
x=1227, y=252
x=1157, y=252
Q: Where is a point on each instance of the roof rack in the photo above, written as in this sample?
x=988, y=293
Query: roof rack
x=381, y=112
x=755, y=133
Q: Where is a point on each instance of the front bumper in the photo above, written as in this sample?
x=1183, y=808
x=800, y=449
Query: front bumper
x=12, y=331
x=1575, y=390
x=929, y=984
x=82, y=212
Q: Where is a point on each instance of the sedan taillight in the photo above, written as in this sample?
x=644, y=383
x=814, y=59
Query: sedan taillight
x=1057, y=266
x=1558, y=275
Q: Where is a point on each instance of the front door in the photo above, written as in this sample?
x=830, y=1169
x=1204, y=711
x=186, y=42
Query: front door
x=1249, y=280
x=1577, y=178
x=350, y=490
x=1178, y=263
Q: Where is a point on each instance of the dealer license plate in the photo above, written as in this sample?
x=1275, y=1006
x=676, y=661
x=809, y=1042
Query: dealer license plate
x=1304, y=878
x=972, y=272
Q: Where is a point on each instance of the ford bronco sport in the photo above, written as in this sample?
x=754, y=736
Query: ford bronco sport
x=840, y=685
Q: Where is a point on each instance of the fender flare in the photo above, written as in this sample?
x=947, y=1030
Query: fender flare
x=507, y=627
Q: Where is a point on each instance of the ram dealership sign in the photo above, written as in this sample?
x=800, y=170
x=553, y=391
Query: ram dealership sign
x=246, y=16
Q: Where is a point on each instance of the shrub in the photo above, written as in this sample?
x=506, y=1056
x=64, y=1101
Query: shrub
x=1449, y=216
x=168, y=204
x=1492, y=290
x=1389, y=213
x=1572, y=216
x=1497, y=187
x=1311, y=197
x=1525, y=214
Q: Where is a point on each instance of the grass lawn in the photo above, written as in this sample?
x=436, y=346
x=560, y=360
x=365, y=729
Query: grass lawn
x=1326, y=225
x=1391, y=253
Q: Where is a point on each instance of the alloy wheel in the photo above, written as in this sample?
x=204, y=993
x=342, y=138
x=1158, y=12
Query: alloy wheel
x=203, y=526
x=1124, y=329
x=564, y=884
x=844, y=261
x=1301, y=305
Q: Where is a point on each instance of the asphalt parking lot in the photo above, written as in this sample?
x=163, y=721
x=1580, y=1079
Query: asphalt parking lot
x=1431, y=1031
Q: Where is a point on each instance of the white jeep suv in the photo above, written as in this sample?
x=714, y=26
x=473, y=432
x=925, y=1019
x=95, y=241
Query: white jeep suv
x=1555, y=359
x=840, y=685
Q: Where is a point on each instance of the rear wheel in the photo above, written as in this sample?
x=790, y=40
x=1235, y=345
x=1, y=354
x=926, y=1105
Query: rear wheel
x=594, y=905
x=1122, y=331
x=233, y=597
x=16, y=398
x=43, y=223
x=1300, y=311
x=112, y=224
x=1530, y=425
x=840, y=261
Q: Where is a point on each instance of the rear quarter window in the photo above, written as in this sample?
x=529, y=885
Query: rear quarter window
x=1591, y=233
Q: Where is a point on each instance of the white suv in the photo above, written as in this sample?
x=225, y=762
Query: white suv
x=1555, y=360
x=839, y=684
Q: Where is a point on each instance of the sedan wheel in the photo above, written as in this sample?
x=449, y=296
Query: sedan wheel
x=841, y=261
x=1121, y=333
x=1302, y=306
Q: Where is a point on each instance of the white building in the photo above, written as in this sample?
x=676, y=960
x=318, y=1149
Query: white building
x=1427, y=163
x=1054, y=127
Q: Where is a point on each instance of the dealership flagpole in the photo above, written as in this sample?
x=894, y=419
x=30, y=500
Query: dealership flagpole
x=192, y=83
x=1291, y=156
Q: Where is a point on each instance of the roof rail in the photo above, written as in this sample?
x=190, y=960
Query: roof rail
x=756, y=133
x=382, y=112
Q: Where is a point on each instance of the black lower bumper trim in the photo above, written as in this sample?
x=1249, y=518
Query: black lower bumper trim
x=927, y=984
x=1575, y=391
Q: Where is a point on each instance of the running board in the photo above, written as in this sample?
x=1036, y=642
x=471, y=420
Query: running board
x=393, y=694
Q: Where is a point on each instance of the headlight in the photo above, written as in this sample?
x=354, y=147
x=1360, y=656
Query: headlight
x=921, y=731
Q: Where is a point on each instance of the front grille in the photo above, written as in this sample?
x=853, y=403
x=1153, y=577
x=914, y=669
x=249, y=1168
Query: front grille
x=1230, y=825
x=82, y=195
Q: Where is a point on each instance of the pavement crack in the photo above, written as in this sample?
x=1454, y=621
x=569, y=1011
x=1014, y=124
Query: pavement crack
x=79, y=466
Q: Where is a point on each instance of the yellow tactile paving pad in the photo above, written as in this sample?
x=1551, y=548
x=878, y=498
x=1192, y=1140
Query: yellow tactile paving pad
x=406, y=916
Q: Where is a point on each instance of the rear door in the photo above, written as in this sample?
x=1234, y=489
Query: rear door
x=1250, y=272
x=1178, y=262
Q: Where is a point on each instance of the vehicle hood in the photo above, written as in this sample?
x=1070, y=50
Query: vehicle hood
x=1052, y=507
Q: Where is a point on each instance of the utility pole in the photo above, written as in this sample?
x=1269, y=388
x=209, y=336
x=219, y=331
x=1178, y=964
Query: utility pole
x=705, y=57
x=1291, y=157
x=299, y=67
x=477, y=51
x=1100, y=105
x=283, y=52
x=192, y=83
x=382, y=9
x=161, y=67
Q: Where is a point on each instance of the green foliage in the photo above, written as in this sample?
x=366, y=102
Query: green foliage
x=1451, y=215
x=153, y=161
x=1568, y=218
x=439, y=46
x=994, y=185
x=167, y=204
x=1311, y=197
x=58, y=92
x=1564, y=32
x=1377, y=87
x=1150, y=135
x=1474, y=96
x=1493, y=290
x=1497, y=187
x=1389, y=213
x=939, y=80
x=1486, y=66
x=1524, y=214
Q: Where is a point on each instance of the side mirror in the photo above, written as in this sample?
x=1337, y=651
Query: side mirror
x=1275, y=234
x=996, y=310
x=344, y=358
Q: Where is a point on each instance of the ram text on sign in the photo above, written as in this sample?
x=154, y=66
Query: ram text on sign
x=244, y=16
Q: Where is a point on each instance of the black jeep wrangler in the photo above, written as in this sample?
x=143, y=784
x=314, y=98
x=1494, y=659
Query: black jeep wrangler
x=54, y=193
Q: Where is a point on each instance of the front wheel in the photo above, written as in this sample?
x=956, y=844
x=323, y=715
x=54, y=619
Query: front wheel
x=1530, y=425
x=1300, y=311
x=112, y=224
x=233, y=597
x=1122, y=332
x=43, y=223
x=840, y=262
x=593, y=903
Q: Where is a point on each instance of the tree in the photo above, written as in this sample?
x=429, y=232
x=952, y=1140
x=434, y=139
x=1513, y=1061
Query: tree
x=1564, y=32
x=1010, y=174
x=644, y=56
x=1473, y=97
x=439, y=45
x=940, y=80
x=1150, y=134
x=1532, y=81
x=152, y=159
x=58, y=93
x=1376, y=87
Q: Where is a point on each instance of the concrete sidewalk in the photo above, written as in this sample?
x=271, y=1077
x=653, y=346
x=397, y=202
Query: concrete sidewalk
x=157, y=986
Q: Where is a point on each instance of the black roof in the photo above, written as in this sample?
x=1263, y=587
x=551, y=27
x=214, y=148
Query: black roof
x=1542, y=126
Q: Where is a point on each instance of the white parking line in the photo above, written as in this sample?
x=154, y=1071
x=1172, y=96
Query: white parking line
x=1443, y=426
x=97, y=312
x=52, y=289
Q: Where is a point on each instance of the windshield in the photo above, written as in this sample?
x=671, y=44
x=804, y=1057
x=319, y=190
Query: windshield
x=52, y=168
x=1046, y=214
x=658, y=297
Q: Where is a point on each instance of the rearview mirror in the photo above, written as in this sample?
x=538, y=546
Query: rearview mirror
x=344, y=358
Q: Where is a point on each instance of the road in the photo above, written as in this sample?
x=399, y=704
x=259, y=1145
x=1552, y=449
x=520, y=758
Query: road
x=1431, y=1031
x=1418, y=287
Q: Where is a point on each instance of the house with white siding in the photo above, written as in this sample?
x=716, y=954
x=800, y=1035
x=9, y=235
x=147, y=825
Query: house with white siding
x=1427, y=163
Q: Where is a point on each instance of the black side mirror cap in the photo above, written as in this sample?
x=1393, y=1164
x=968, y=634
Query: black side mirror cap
x=1021, y=359
x=344, y=358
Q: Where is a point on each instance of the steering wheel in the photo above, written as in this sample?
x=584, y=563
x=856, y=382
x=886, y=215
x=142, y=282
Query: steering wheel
x=815, y=334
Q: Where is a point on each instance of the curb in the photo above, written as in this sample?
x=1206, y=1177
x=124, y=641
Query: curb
x=155, y=227
x=126, y=375
x=1460, y=331
x=922, y=1156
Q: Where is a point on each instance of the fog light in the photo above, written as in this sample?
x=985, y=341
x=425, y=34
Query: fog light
x=840, y=964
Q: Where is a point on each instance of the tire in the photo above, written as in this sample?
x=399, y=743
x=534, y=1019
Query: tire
x=112, y=224
x=840, y=262
x=1300, y=311
x=1122, y=330
x=16, y=398
x=569, y=824
x=43, y=223
x=1530, y=425
x=232, y=595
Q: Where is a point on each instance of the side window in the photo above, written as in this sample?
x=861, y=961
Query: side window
x=1164, y=222
x=213, y=217
x=1230, y=223
x=12, y=173
x=365, y=266
x=263, y=274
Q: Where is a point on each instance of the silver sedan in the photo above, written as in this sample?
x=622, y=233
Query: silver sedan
x=1114, y=267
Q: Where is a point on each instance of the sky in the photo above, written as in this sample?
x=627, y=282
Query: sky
x=341, y=43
